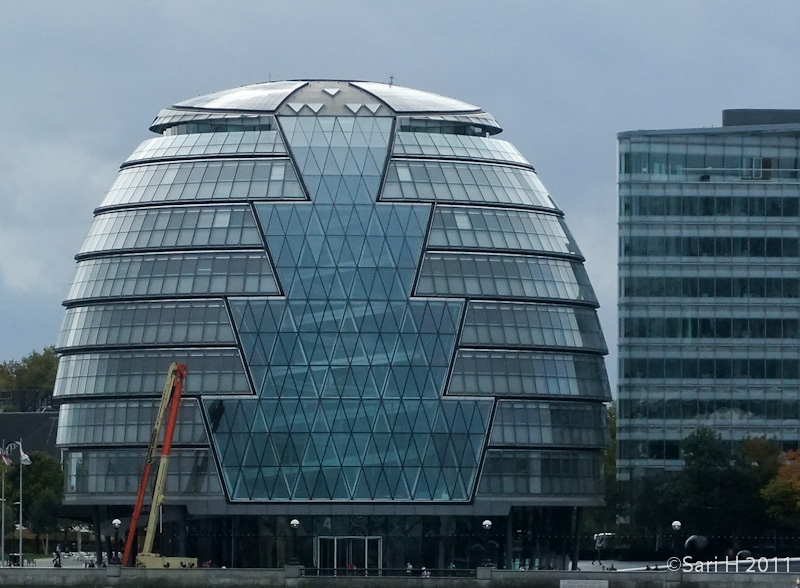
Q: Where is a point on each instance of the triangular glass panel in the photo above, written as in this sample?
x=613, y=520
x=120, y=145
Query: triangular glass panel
x=281, y=489
x=382, y=490
x=351, y=476
x=302, y=489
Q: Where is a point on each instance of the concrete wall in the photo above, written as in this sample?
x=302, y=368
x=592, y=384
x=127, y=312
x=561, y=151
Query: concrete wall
x=260, y=578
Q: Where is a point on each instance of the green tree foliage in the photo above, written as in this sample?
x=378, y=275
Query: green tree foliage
x=42, y=491
x=718, y=492
x=782, y=492
x=36, y=371
x=764, y=458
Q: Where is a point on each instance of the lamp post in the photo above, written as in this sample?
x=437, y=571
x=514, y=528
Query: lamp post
x=19, y=526
x=3, y=515
x=294, y=524
x=116, y=524
x=24, y=460
x=487, y=526
x=676, y=526
x=20, y=505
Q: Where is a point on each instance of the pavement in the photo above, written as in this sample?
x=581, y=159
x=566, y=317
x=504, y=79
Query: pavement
x=615, y=564
x=80, y=561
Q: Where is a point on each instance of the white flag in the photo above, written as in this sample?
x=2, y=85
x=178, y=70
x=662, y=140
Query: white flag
x=24, y=458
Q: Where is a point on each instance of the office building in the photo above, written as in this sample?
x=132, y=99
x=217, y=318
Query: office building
x=389, y=332
x=709, y=286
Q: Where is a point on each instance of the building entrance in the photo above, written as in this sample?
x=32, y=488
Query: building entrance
x=358, y=555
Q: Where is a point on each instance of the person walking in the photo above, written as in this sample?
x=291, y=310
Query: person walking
x=599, y=545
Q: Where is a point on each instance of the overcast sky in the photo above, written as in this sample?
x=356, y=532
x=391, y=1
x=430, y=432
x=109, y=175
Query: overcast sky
x=81, y=81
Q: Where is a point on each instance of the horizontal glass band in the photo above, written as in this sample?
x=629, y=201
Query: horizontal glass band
x=210, y=144
x=471, y=183
x=511, y=324
x=173, y=227
x=147, y=323
x=712, y=287
x=177, y=274
x=142, y=372
x=721, y=368
x=192, y=472
x=519, y=472
x=527, y=423
x=235, y=179
x=503, y=276
x=677, y=246
x=457, y=146
x=528, y=373
x=467, y=227
x=125, y=422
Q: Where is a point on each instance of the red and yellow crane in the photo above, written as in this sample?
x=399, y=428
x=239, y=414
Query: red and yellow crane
x=170, y=401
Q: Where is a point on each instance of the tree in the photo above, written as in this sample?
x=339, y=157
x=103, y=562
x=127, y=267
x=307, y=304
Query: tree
x=35, y=372
x=762, y=457
x=718, y=491
x=42, y=492
x=782, y=493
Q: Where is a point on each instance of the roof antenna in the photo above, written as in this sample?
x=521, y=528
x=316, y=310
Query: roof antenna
x=391, y=80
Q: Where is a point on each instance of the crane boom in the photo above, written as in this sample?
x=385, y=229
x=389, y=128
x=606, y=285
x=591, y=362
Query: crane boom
x=170, y=400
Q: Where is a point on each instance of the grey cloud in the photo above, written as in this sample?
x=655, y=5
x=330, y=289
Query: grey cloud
x=82, y=80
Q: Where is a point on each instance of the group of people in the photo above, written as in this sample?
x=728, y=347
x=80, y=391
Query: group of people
x=424, y=572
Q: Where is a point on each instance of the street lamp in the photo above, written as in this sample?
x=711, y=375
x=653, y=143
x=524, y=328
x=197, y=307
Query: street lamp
x=294, y=524
x=487, y=526
x=676, y=526
x=115, y=558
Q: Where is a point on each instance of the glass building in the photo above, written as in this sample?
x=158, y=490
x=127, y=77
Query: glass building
x=709, y=286
x=389, y=331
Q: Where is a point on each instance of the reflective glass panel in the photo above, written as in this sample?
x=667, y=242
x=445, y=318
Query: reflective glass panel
x=527, y=423
x=349, y=449
x=253, y=179
x=528, y=373
x=184, y=274
x=473, y=183
x=231, y=143
x=459, y=146
x=466, y=227
x=125, y=422
x=142, y=373
x=118, y=472
x=505, y=324
x=147, y=323
x=173, y=227
x=503, y=276
x=516, y=472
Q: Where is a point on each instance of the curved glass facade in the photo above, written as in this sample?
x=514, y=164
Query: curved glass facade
x=374, y=319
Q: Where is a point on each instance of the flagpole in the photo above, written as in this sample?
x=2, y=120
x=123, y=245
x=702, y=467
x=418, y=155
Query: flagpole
x=3, y=524
x=21, y=561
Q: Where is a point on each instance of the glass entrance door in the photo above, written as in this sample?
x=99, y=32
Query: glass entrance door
x=355, y=555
